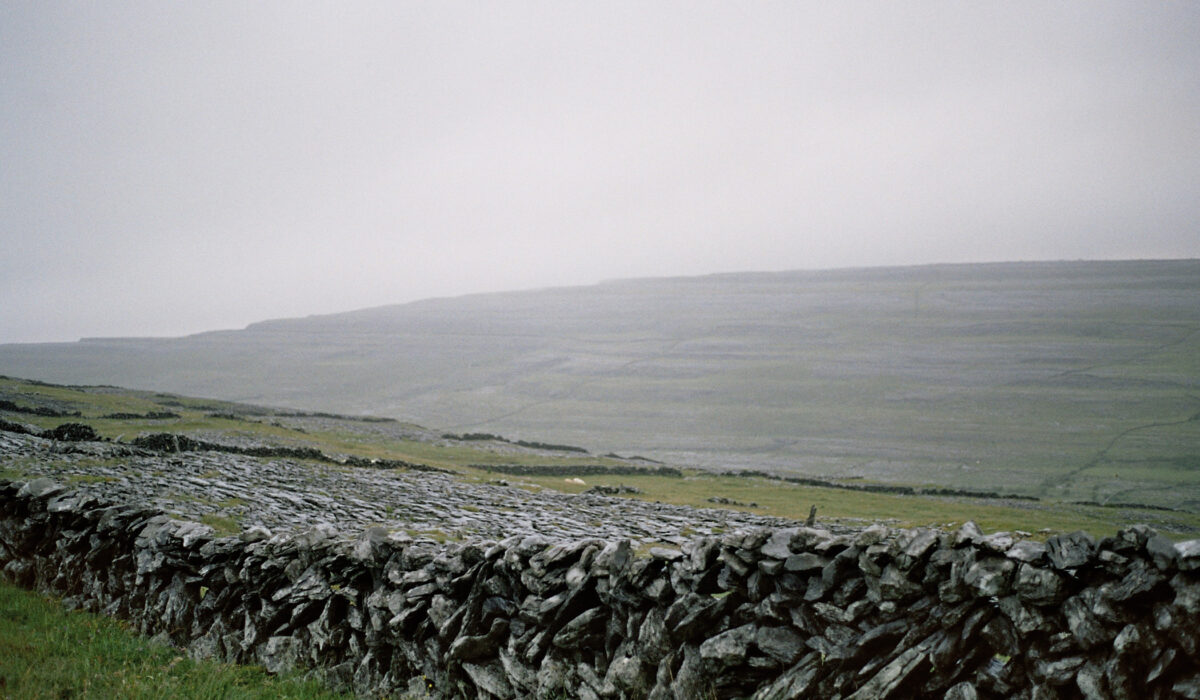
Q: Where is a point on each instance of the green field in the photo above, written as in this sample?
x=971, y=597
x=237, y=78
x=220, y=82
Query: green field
x=342, y=437
x=48, y=652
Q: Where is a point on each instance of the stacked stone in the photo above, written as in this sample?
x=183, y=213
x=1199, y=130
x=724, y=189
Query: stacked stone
x=762, y=612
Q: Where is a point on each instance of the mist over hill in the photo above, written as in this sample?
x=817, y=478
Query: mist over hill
x=1070, y=379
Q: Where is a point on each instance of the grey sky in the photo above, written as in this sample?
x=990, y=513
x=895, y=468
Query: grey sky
x=168, y=168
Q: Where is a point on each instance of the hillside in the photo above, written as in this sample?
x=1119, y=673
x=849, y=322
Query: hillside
x=1070, y=381
x=234, y=466
x=313, y=543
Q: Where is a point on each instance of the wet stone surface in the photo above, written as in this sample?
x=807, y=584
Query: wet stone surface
x=285, y=495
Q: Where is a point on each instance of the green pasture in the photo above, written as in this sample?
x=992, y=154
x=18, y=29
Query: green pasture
x=48, y=652
x=1123, y=474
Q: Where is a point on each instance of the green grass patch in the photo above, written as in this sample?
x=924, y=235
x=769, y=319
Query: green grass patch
x=89, y=479
x=222, y=524
x=47, y=652
x=793, y=501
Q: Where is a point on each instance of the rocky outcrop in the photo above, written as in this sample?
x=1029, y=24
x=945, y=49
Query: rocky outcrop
x=289, y=496
x=765, y=611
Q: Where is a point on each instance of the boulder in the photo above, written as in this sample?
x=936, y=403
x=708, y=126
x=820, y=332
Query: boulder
x=730, y=647
x=990, y=576
x=1188, y=555
x=1071, y=551
x=780, y=643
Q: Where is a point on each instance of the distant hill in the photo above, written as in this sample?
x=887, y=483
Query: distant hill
x=1067, y=379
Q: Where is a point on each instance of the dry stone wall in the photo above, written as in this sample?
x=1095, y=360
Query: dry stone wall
x=762, y=612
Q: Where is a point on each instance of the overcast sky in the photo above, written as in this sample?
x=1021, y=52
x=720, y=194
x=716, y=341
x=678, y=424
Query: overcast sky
x=169, y=168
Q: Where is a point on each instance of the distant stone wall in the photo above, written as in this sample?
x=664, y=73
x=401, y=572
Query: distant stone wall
x=578, y=470
x=778, y=613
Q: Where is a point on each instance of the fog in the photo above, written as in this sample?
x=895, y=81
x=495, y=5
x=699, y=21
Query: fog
x=169, y=169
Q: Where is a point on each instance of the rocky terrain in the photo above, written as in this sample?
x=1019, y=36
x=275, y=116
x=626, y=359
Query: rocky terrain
x=387, y=581
x=289, y=496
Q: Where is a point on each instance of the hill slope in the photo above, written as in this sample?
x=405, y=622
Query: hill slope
x=1068, y=380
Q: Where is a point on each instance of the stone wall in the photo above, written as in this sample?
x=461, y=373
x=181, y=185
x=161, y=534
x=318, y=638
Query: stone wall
x=773, y=613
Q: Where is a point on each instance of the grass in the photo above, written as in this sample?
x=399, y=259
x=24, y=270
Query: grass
x=89, y=479
x=1137, y=475
x=222, y=524
x=793, y=501
x=48, y=652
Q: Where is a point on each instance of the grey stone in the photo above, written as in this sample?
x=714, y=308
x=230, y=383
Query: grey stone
x=370, y=544
x=1026, y=620
x=1090, y=681
x=1188, y=687
x=1162, y=551
x=967, y=533
x=751, y=538
x=279, y=654
x=1134, y=580
x=736, y=565
x=474, y=647
x=1163, y=662
x=780, y=643
x=793, y=683
x=1070, y=551
x=882, y=635
x=590, y=684
x=626, y=675
x=580, y=629
x=552, y=677
x=664, y=554
x=653, y=642
x=891, y=677
x=894, y=585
x=1039, y=586
x=41, y=487
x=1084, y=625
x=961, y=691
x=872, y=535
x=689, y=616
x=989, y=576
x=1059, y=671
x=256, y=533
x=1123, y=680
x=730, y=647
x=523, y=678
x=915, y=544
x=1187, y=593
x=491, y=678
x=998, y=542
x=1027, y=551
x=612, y=559
x=778, y=546
x=805, y=561
x=770, y=567
x=1000, y=634
x=1188, y=554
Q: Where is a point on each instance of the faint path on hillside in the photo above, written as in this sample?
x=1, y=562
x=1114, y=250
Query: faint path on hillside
x=1135, y=357
x=1061, y=479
